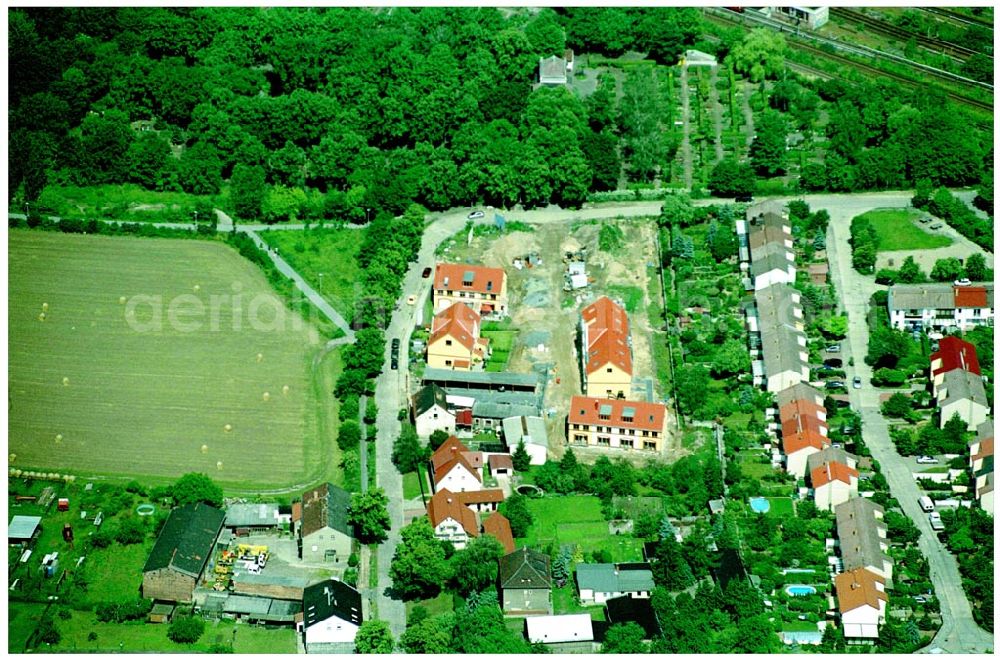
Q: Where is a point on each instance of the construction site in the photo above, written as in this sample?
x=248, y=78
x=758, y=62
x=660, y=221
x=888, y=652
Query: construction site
x=554, y=271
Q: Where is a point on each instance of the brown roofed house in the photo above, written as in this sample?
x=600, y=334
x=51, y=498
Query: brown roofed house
x=451, y=520
x=497, y=526
x=526, y=583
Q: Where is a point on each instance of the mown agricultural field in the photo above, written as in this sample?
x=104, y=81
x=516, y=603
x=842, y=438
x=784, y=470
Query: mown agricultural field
x=100, y=386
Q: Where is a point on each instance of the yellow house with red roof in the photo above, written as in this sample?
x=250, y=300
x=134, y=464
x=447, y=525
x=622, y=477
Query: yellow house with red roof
x=483, y=289
x=606, y=355
x=455, y=341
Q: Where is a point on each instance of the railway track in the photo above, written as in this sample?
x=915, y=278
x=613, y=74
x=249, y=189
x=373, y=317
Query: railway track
x=955, y=51
x=809, y=43
x=959, y=18
x=904, y=80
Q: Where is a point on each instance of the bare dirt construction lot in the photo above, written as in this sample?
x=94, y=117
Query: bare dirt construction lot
x=547, y=316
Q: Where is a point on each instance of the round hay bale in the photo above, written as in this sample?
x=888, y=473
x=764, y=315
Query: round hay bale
x=72, y=478
x=65, y=382
x=267, y=395
x=228, y=428
x=197, y=287
x=285, y=390
x=260, y=357
x=122, y=300
x=59, y=437
x=45, y=306
x=11, y=458
x=218, y=465
x=41, y=317
x=204, y=448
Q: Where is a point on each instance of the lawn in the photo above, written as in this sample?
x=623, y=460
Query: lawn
x=149, y=350
x=440, y=604
x=564, y=602
x=501, y=342
x=897, y=230
x=115, y=573
x=411, y=487
x=630, y=296
x=141, y=637
x=781, y=506
x=328, y=251
x=577, y=519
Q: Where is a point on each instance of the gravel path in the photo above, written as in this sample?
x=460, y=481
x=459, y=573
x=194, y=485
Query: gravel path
x=686, y=157
x=713, y=97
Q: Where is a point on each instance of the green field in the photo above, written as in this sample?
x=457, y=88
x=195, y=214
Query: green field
x=575, y=520
x=125, y=201
x=630, y=296
x=133, y=396
x=898, y=230
x=327, y=251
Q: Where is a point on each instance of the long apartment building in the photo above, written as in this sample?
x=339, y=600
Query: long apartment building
x=605, y=351
x=940, y=306
x=981, y=464
x=803, y=426
x=863, y=544
x=483, y=289
x=775, y=320
x=616, y=424
x=957, y=383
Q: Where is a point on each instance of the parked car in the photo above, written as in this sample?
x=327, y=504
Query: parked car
x=834, y=384
x=963, y=282
x=426, y=272
x=394, y=364
x=857, y=383
x=743, y=198
x=936, y=523
x=411, y=300
x=937, y=226
x=477, y=214
x=920, y=598
x=833, y=348
x=395, y=344
x=926, y=460
x=925, y=219
x=833, y=362
x=926, y=503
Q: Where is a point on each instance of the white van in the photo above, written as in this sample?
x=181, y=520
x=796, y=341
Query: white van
x=926, y=503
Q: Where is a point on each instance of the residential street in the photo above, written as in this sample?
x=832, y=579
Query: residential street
x=390, y=396
x=959, y=632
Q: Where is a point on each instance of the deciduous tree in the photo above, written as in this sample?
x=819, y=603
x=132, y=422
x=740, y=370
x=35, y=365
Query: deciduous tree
x=369, y=515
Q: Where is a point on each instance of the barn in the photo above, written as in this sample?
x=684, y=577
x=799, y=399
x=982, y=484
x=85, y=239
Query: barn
x=181, y=553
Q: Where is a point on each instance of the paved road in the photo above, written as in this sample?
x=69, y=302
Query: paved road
x=391, y=395
x=959, y=632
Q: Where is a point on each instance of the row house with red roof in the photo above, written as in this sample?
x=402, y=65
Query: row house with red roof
x=616, y=424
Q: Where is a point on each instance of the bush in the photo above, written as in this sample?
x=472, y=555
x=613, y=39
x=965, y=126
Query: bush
x=101, y=539
x=48, y=633
x=186, y=629
x=130, y=531
x=129, y=610
x=888, y=377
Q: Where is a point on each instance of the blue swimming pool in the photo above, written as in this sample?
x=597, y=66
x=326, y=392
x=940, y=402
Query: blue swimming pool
x=759, y=505
x=799, y=590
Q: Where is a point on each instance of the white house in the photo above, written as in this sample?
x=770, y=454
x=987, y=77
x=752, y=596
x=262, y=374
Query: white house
x=600, y=582
x=331, y=614
x=431, y=411
x=940, y=306
x=861, y=599
x=531, y=431
x=451, y=520
x=556, y=629
x=961, y=392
